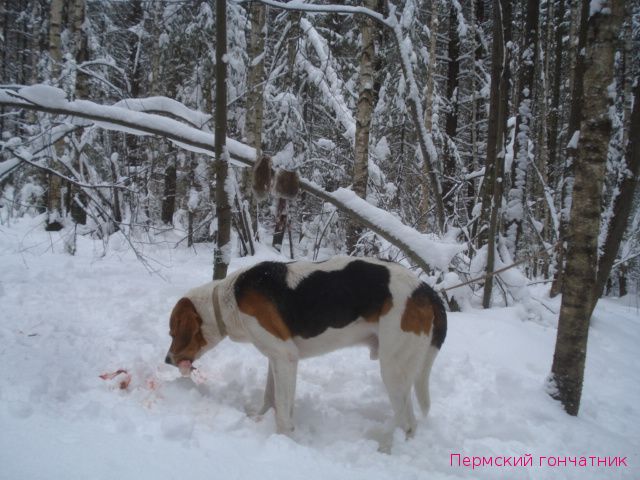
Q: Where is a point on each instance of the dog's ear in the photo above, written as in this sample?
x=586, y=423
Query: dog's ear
x=287, y=184
x=262, y=177
x=185, y=323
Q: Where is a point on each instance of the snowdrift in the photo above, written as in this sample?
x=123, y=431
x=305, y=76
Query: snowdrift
x=67, y=320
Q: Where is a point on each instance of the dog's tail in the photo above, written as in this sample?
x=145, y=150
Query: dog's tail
x=438, y=335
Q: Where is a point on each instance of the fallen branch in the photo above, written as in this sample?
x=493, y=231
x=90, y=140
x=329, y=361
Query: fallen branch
x=420, y=248
x=489, y=275
x=23, y=158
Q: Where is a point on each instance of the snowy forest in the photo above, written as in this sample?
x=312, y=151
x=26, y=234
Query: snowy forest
x=491, y=145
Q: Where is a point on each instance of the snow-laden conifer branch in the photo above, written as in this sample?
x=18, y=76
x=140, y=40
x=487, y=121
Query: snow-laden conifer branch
x=404, y=46
x=426, y=251
x=326, y=79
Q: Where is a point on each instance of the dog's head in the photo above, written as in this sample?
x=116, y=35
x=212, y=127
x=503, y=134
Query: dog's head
x=188, y=342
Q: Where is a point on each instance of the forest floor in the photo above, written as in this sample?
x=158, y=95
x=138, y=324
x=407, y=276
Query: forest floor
x=65, y=320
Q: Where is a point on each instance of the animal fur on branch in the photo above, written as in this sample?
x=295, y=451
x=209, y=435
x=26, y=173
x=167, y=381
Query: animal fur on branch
x=287, y=184
x=262, y=177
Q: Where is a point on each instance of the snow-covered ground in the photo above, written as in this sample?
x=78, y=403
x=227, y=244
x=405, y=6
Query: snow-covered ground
x=65, y=320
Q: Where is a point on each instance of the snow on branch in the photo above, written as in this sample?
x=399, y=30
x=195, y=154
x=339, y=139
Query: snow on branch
x=405, y=49
x=8, y=166
x=166, y=106
x=37, y=147
x=52, y=100
x=424, y=247
x=424, y=250
x=298, y=6
x=327, y=79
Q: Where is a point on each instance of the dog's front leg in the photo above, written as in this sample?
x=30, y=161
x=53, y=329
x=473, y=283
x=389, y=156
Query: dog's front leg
x=269, y=400
x=285, y=369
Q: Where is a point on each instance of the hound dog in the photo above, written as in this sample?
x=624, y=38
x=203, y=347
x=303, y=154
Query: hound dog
x=291, y=311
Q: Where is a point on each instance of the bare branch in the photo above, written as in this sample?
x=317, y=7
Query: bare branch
x=53, y=135
x=23, y=158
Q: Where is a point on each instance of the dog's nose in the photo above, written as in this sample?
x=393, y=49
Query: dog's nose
x=168, y=360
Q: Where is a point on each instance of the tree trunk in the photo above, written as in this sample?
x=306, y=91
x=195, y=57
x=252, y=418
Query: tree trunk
x=55, y=29
x=282, y=220
x=425, y=141
x=81, y=44
x=282, y=206
x=423, y=224
x=366, y=99
x=499, y=94
x=169, y=194
x=477, y=103
x=624, y=200
x=117, y=210
x=255, y=77
x=54, y=196
x=567, y=371
x=134, y=143
x=575, y=115
x=77, y=196
x=223, y=209
x=4, y=53
x=255, y=98
x=516, y=203
x=554, y=108
x=451, y=118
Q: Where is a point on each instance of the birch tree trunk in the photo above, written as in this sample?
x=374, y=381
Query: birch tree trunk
x=134, y=72
x=81, y=45
x=366, y=98
x=567, y=371
x=255, y=99
x=255, y=77
x=429, y=88
x=76, y=197
x=575, y=115
x=54, y=195
x=223, y=209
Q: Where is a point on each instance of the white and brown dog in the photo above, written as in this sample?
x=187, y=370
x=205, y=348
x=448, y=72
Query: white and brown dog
x=296, y=310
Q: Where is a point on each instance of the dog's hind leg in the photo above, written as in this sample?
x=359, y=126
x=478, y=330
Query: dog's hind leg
x=399, y=390
x=399, y=362
x=422, y=380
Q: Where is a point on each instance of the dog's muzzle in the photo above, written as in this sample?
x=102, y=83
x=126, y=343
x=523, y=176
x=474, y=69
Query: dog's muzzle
x=185, y=366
